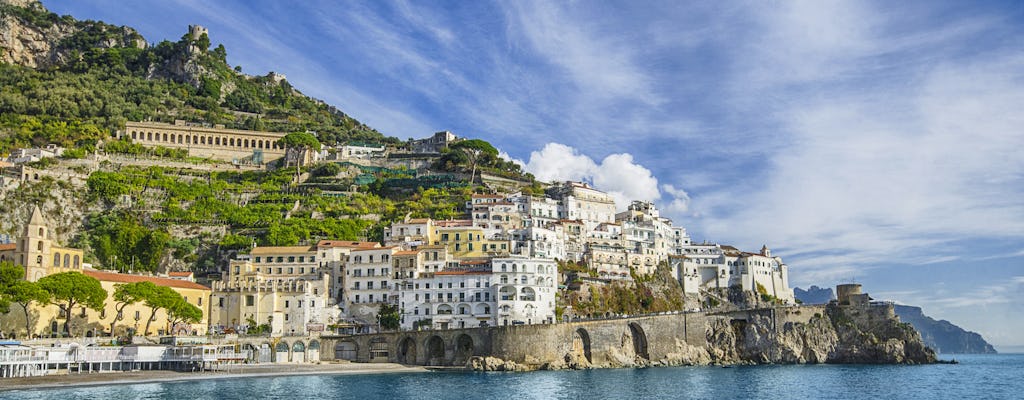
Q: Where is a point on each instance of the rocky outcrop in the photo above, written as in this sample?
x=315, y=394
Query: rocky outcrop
x=36, y=38
x=814, y=295
x=869, y=334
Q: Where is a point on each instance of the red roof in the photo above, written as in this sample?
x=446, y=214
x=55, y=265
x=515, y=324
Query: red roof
x=8, y=246
x=128, y=278
x=182, y=274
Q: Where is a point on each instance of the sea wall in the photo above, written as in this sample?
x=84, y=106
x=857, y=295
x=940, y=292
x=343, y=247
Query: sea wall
x=806, y=334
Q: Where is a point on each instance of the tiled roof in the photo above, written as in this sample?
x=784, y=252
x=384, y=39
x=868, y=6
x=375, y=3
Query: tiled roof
x=179, y=274
x=8, y=246
x=129, y=278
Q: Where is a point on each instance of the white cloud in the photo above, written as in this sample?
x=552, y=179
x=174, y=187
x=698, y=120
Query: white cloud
x=680, y=203
x=617, y=174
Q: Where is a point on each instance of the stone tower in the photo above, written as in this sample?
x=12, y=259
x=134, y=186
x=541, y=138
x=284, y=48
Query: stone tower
x=34, y=246
x=197, y=31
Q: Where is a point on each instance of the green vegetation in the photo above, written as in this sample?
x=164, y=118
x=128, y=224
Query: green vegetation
x=102, y=86
x=67, y=289
x=123, y=243
x=389, y=317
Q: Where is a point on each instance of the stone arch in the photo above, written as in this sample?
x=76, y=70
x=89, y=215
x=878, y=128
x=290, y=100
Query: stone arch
x=164, y=136
x=581, y=344
x=216, y=140
x=639, y=340
x=56, y=259
x=435, y=350
x=379, y=349
x=313, y=351
x=299, y=351
x=346, y=351
x=67, y=260
x=281, y=352
x=407, y=351
x=77, y=262
x=174, y=138
x=231, y=141
x=463, y=349
x=42, y=232
x=507, y=293
x=245, y=143
x=528, y=294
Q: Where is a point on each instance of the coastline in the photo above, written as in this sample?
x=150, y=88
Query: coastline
x=232, y=371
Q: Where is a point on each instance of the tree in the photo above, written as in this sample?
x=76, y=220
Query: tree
x=162, y=297
x=183, y=312
x=10, y=274
x=389, y=317
x=128, y=294
x=25, y=293
x=475, y=150
x=67, y=289
x=296, y=145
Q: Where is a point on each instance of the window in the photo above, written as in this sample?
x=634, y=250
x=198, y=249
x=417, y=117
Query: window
x=286, y=317
x=383, y=284
x=299, y=304
x=357, y=298
x=312, y=304
x=257, y=259
x=369, y=285
x=302, y=258
x=356, y=286
x=291, y=259
x=286, y=304
x=249, y=300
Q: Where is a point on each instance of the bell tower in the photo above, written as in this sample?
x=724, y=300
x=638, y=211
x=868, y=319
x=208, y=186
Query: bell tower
x=34, y=247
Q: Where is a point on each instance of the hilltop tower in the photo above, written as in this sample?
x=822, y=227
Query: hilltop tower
x=197, y=31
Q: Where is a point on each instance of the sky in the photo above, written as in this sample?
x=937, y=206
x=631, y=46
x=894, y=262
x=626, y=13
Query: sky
x=869, y=142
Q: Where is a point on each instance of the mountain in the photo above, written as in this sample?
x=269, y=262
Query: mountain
x=814, y=295
x=95, y=76
x=942, y=335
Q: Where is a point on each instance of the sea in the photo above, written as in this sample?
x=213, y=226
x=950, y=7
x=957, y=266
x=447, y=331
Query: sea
x=996, y=376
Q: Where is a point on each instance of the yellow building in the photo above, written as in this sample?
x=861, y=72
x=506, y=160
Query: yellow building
x=40, y=256
x=470, y=241
x=38, y=253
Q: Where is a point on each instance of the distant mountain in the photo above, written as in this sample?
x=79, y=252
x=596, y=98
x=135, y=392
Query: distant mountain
x=814, y=295
x=942, y=335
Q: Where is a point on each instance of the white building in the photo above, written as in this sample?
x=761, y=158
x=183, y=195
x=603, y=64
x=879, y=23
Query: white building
x=501, y=291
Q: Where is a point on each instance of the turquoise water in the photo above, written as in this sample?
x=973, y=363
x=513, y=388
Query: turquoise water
x=976, y=377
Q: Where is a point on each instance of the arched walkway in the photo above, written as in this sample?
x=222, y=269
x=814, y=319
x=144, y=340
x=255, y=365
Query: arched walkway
x=639, y=340
x=313, y=351
x=345, y=351
x=435, y=350
x=581, y=344
x=299, y=352
x=281, y=352
x=407, y=351
x=463, y=349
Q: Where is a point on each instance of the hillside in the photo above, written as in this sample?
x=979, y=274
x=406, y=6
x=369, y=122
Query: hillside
x=944, y=336
x=87, y=78
x=73, y=83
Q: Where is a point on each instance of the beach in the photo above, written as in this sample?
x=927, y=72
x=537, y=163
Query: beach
x=222, y=372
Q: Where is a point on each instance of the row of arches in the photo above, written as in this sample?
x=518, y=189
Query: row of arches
x=208, y=140
x=284, y=352
x=442, y=350
x=68, y=261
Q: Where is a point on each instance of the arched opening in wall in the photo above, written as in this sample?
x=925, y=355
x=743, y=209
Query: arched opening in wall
x=67, y=261
x=164, y=137
x=313, y=351
x=134, y=135
x=435, y=350
x=345, y=351
x=463, y=349
x=245, y=143
x=639, y=340
x=56, y=259
x=581, y=344
x=281, y=352
x=266, y=354
x=299, y=352
x=231, y=141
x=379, y=350
x=216, y=141
x=77, y=262
x=407, y=351
x=42, y=232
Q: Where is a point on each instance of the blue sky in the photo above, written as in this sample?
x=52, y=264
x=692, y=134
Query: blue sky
x=868, y=141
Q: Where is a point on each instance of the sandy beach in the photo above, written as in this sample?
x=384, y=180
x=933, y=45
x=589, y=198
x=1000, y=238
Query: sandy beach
x=232, y=371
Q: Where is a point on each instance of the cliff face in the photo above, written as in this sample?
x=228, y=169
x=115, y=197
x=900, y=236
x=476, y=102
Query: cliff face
x=944, y=336
x=36, y=38
x=814, y=295
x=839, y=335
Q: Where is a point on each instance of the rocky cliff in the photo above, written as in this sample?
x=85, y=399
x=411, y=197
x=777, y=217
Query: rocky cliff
x=32, y=36
x=869, y=334
x=814, y=295
x=944, y=336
